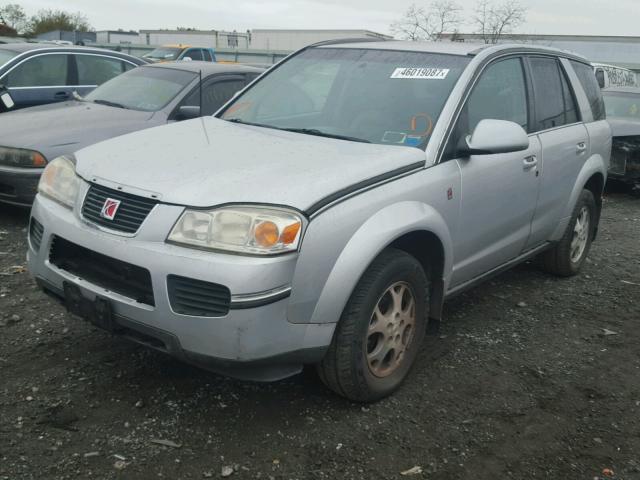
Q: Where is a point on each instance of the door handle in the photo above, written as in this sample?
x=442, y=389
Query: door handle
x=581, y=148
x=61, y=95
x=530, y=162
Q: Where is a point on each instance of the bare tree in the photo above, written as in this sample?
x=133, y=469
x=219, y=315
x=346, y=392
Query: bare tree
x=13, y=16
x=419, y=23
x=494, y=20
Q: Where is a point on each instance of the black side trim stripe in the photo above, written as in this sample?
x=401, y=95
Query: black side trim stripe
x=361, y=185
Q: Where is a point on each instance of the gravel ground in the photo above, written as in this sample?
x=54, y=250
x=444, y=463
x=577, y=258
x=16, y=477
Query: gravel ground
x=530, y=377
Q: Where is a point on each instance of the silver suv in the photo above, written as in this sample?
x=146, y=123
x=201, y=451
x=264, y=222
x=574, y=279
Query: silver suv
x=325, y=214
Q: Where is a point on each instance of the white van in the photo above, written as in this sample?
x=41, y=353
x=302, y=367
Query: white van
x=613, y=76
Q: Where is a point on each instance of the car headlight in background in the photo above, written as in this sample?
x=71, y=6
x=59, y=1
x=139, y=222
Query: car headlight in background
x=21, y=157
x=59, y=181
x=242, y=229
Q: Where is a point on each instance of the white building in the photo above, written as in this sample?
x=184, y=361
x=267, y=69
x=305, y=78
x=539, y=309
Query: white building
x=200, y=38
x=290, y=40
x=621, y=51
x=116, y=36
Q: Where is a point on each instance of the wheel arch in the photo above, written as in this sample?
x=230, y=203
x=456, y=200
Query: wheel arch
x=413, y=227
x=592, y=177
x=426, y=247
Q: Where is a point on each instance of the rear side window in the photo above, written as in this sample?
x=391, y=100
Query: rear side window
x=590, y=85
x=214, y=94
x=40, y=71
x=95, y=69
x=207, y=55
x=555, y=104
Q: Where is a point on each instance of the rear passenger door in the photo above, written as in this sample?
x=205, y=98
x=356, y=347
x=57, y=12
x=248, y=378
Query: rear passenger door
x=498, y=191
x=40, y=79
x=564, y=140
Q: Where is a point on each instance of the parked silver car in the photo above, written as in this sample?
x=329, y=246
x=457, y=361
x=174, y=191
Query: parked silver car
x=330, y=209
x=146, y=97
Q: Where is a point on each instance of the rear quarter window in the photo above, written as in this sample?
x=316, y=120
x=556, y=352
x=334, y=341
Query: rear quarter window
x=589, y=83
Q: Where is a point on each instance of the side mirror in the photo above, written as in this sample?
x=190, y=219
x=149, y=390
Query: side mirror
x=494, y=136
x=187, y=112
x=6, y=100
x=187, y=59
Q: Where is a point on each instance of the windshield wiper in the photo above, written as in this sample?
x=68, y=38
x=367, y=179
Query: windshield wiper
x=109, y=104
x=237, y=120
x=306, y=131
x=320, y=133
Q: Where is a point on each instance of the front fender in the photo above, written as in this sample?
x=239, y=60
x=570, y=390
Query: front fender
x=373, y=236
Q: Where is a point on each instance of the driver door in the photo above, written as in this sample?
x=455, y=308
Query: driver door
x=499, y=191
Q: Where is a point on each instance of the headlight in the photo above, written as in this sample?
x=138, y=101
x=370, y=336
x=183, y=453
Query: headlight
x=20, y=157
x=252, y=230
x=60, y=182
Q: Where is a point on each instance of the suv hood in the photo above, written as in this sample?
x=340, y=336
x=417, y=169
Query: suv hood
x=207, y=162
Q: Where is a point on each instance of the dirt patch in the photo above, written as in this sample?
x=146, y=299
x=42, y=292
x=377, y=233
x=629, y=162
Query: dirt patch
x=531, y=377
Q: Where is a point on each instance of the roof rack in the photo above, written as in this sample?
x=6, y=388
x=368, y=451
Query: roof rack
x=341, y=41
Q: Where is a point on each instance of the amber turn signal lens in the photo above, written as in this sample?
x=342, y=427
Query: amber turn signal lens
x=267, y=234
x=290, y=233
x=38, y=160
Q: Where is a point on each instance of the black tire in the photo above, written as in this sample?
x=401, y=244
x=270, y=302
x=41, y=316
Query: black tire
x=345, y=368
x=558, y=260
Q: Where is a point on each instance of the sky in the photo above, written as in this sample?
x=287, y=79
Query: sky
x=572, y=17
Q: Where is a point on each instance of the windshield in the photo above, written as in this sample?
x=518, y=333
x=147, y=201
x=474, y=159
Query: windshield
x=6, y=55
x=377, y=96
x=163, y=53
x=144, y=88
x=621, y=105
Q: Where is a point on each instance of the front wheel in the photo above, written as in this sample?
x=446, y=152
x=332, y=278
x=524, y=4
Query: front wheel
x=380, y=331
x=568, y=255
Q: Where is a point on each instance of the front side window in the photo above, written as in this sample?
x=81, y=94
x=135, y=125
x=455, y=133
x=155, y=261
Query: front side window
x=194, y=54
x=500, y=94
x=590, y=85
x=40, y=71
x=622, y=105
x=95, y=69
x=555, y=105
x=145, y=88
x=377, y=96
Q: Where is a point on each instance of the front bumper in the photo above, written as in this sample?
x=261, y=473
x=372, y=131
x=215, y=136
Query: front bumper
x=18, y=186
x=250, y=342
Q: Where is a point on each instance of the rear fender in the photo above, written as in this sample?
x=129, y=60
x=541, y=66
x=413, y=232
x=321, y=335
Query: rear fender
x=595, y=164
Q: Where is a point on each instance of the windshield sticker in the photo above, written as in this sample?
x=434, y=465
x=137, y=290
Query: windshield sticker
x=421, y=73
x=394, y=137
x=413, y=140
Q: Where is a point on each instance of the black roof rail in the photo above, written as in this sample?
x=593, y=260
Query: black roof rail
x=341, y=41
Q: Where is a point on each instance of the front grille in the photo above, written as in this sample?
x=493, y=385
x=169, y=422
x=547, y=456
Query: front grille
x=198, y=298
x=106, y=272
x=130, y=214
x=36, y=230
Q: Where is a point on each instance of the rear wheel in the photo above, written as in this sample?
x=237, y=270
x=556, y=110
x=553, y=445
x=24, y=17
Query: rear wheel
x=380, y=331
x=567, y=257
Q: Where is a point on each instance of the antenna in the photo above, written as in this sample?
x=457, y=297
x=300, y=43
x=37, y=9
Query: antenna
x=200, y=88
